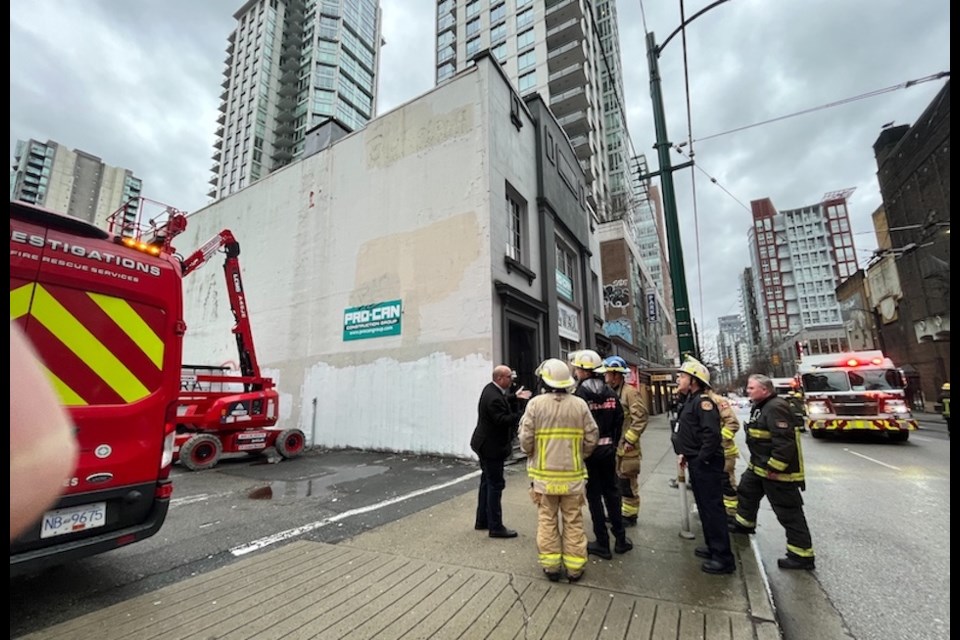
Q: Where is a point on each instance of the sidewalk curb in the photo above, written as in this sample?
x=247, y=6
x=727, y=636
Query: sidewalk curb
x=762, y=608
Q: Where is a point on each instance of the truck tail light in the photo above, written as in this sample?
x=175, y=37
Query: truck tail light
x=166, y=458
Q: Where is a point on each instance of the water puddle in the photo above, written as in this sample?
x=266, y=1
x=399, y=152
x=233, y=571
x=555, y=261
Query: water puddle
x=322, y=486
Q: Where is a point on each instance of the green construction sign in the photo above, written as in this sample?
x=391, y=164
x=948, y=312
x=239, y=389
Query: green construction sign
x=372, y=321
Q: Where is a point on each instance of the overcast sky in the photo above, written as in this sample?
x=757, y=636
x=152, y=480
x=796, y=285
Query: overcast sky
x=138, y=82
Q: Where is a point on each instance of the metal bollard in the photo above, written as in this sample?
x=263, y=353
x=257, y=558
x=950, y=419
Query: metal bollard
x=685, y=532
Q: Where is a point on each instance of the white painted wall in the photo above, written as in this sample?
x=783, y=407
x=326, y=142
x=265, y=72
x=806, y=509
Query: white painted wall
x=400, y=209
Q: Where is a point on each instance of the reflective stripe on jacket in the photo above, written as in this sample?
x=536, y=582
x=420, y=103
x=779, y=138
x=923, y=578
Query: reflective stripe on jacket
x=729, y=425
x=774, y=442
x=634, y=420
x=557, y=431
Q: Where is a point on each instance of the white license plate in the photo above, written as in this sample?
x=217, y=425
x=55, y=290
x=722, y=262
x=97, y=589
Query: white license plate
x=62, y=521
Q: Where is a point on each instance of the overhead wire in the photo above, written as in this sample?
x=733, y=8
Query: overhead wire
x=693, y=176
x=835, y=103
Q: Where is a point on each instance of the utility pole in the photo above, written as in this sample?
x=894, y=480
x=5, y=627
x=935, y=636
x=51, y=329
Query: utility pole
x=681, y=304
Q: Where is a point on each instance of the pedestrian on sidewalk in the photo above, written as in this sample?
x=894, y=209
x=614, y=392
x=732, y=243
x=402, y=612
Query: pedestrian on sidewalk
x=557, y=432
x=492, y=441
x=697, y=443
x=729, y=425
x=775, y=471
x=603, y=490
x=628, y=450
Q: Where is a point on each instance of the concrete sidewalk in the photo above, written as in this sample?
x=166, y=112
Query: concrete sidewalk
x=430, y=575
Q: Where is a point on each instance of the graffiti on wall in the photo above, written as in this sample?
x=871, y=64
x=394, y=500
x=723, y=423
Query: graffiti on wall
x=616, y=294
x=619, y=328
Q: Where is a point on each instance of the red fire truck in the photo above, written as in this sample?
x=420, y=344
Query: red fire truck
x=857, y=390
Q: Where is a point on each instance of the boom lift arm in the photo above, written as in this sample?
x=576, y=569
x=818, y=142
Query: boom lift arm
x=249, y=367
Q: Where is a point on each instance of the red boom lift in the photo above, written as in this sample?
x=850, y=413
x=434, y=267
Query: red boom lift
x=219, y=413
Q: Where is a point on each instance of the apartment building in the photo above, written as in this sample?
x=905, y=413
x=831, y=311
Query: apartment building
x=291, y=65
x=74, y=182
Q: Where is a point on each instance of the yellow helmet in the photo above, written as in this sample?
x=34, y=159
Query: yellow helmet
x=693, y=367
x=945, y=387
x=555, y=373
x=588, y=359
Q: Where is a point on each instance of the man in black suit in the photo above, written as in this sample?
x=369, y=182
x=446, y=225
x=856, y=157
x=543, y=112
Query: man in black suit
x=492, y=442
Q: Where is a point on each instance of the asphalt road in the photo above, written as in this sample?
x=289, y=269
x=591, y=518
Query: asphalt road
x=240, y=506
x=879, y=514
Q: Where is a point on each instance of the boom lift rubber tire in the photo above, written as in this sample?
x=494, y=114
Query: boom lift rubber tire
x=898, y=436
x=817, y=433
x=290, y=443
x=201, y=452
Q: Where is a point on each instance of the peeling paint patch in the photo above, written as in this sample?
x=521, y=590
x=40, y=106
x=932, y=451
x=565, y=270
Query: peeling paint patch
x=391, y=138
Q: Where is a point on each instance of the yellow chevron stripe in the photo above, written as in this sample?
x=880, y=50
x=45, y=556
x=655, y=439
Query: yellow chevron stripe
x=20, y=301
x=130, y=322
x=68, y=397
x=76, y=337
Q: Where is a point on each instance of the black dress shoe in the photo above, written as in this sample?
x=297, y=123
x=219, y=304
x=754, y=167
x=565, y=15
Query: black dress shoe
x=703, y=552
x=717, y=567
x=502, y=533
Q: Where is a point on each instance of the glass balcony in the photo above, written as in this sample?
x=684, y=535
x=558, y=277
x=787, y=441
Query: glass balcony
x=576, y=123
x=565, y=55
x=559, y=12
x=564, y=33
x=565, y=79
x=567, y=102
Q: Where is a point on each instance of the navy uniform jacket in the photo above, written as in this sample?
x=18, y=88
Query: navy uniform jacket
x=697, y=434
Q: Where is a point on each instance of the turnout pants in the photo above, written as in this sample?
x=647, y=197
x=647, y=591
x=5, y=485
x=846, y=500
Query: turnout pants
x=787, y=504
x=628, y=468
x=558, y=546
x=603, y=490
x=729, y=486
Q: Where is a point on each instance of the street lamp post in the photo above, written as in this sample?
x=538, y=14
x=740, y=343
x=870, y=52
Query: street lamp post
x=681, y=303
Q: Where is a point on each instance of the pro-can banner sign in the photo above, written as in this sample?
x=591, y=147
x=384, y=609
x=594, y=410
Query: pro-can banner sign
x=372, y=321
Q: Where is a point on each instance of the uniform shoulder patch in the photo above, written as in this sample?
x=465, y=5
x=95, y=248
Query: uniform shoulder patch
x=706, y=405
x=783, y=424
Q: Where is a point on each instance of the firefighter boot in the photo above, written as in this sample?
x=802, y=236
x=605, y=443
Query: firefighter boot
x=600, y=550
x=796, y=562
x=623, y=544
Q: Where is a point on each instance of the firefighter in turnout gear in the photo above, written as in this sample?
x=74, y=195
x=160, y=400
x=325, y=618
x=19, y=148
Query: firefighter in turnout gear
x=697, y=441
x=603, y=491
x=628, y=450
x=775, y=471
x=729, y=425
x=557, y=432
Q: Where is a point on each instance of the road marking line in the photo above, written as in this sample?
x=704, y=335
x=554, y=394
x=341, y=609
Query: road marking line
x=179, y=502
x=298, y=531
x=889, y=466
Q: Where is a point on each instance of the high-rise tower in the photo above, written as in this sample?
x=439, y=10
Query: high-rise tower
x=290, y=65
x=565, y=50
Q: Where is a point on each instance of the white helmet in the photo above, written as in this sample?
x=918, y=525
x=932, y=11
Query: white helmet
x=555, y=373
x=588, y=360
x=693, y=367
